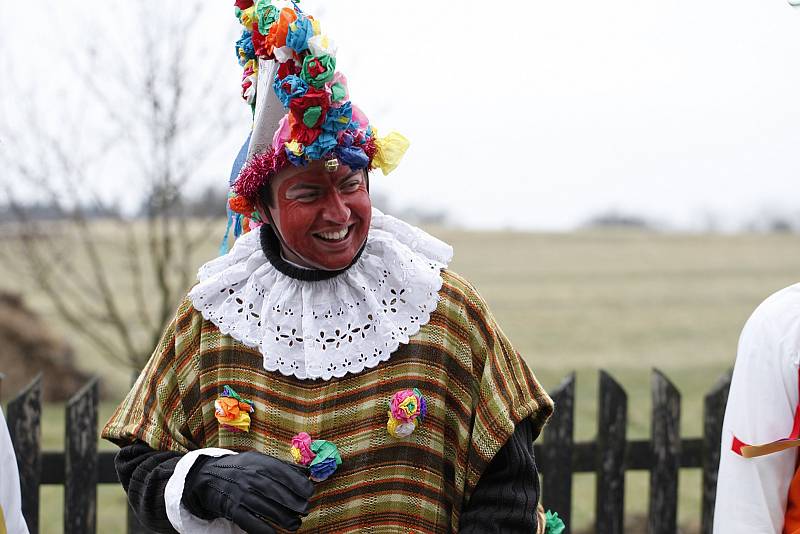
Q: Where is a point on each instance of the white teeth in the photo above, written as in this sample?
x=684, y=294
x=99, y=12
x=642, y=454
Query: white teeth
x=334, y=236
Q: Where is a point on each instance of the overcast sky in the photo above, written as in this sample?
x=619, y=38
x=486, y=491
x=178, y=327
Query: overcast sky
x=540, y=114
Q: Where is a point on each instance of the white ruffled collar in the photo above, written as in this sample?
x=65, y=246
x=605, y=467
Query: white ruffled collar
x=327, y=328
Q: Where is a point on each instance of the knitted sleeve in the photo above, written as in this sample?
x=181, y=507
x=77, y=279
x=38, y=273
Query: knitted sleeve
x=144, y=473
x=507, y=494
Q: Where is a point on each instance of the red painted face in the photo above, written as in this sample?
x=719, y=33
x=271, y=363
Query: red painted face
x=323, y=217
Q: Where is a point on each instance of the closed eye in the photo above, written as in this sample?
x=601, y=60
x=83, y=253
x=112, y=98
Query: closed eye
x=351, y=183
x=303, y=194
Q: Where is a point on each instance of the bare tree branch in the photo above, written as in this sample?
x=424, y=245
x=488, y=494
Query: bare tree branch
x=150, y=113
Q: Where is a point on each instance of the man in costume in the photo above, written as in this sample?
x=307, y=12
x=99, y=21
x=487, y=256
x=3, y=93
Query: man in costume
x=329, y=373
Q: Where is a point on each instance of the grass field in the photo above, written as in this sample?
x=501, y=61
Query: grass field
x=619, y=300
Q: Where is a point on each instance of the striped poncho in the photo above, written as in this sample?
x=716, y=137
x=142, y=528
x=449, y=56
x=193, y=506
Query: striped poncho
x=476, y=385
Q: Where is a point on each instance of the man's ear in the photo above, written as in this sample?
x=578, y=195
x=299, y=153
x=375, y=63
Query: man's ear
x=263, y=212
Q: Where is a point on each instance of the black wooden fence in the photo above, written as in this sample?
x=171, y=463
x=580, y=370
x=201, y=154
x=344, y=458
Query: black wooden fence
x=79, y=468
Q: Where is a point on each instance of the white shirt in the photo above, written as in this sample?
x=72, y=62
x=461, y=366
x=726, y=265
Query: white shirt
x=752, y=492
x=10, y=501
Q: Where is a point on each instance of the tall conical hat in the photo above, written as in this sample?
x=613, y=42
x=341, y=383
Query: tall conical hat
x=301, y=105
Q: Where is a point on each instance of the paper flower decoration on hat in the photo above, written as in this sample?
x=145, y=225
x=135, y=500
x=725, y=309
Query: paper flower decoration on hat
x=232, y=411
x=320, y=122
x=407, y=409
x=321, y=456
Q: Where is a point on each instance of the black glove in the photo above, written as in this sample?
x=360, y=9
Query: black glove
x=251, y=489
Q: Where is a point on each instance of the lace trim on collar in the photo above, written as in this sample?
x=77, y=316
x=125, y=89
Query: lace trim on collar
x=327, y=328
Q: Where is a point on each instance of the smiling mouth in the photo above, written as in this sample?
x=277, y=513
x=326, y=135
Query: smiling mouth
x=333, y=237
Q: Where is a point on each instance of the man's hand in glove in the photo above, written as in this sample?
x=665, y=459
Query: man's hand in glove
x=251, y=489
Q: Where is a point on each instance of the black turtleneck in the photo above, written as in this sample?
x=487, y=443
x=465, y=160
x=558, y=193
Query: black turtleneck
x=271, y=246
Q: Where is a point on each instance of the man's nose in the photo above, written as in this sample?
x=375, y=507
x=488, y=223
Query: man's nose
x=336, y=210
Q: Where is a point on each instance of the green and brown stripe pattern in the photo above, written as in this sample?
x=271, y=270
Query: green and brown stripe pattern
x=476, y=387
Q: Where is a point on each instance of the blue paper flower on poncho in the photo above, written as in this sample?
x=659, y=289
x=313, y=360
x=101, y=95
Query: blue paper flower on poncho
x=324, y=469
x=326, y=460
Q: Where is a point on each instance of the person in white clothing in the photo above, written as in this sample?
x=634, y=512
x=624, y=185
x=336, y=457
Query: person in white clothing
x=758, y=488
x=11, y=520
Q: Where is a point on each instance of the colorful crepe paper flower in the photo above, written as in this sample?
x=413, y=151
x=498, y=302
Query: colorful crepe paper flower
x=338, y=88
x=260, y=46
x=248, y=17
x=312, y=116
x=301, y=129
x=317, y=71
x=294, y=153
x=241, y=205
x=302, y=133
x=398, y=429
x=321, y=456
x=406, y=410
x=323, y=469
x=389, y=151
x=295, y=148
x=326, y=461
x=287, y=68
x=288, y=88
x=249, y=82
x=338, y=118
x=338, y=92
x=353, y=157
x=322, y=45
x=276, y=37
x=299, y=33
x=351, y=149
x=244, y=48
x=316, y=26
x=301, y=449
x=266, y=14
x=324, y=143
x=232, y=411
x=360, y=119
x=553, y=523
x=311, y=98
x=283, y=54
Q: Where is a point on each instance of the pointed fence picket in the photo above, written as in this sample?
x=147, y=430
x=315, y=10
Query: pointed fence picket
x=25, y=426
x=80, y=467
x=665, y=450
